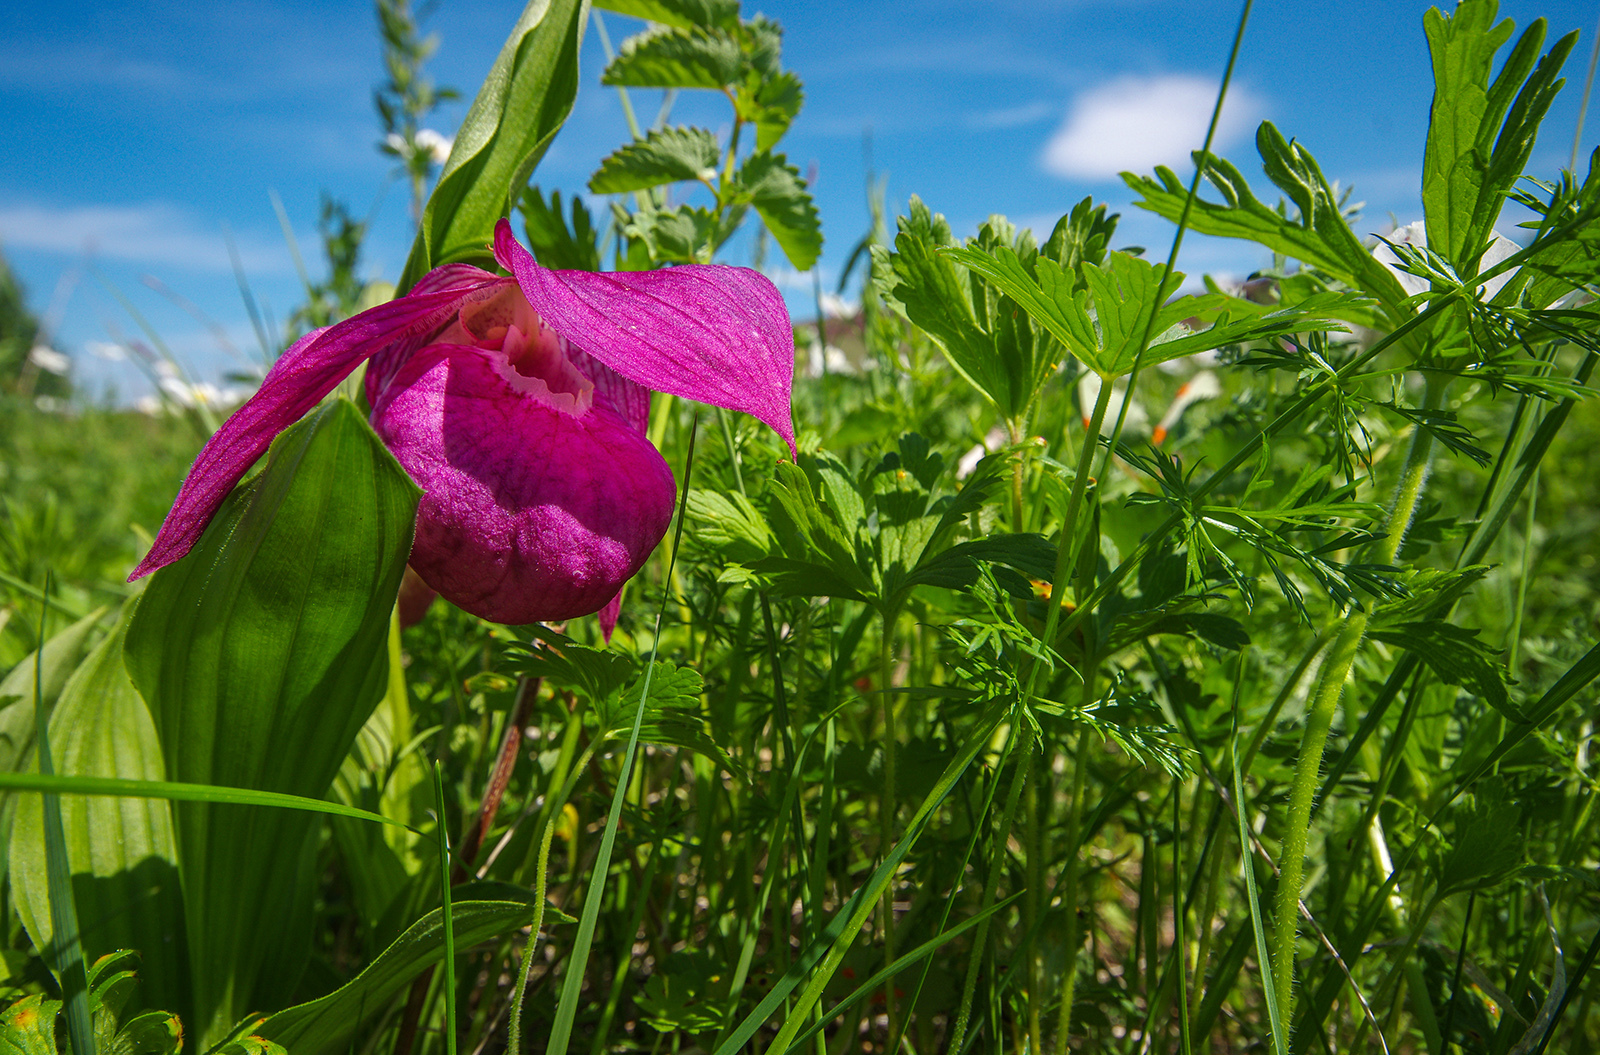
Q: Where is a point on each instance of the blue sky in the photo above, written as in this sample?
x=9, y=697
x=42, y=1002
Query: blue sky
x=139, y=133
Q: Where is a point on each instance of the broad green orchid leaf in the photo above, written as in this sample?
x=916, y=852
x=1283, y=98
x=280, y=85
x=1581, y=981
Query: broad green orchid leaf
x=61, y=656
x=686, y=14
x=327, y=1026
x=522, y=105
x=122, y=852
x=261, y=654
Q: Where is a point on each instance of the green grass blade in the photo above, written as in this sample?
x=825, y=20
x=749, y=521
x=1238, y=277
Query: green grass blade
x=916, y=955
x=572, y=983
x=854, y=912
x=66, y=950
x=1280, y=1044
x=55, y=784
x=445, y=907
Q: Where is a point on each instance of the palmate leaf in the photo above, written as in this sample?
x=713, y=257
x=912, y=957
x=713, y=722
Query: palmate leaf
x=261, y=654
x=688, y=234
x=1102, y=321
x=774, y=188
x=676, y=57
x=557, y=242
x=686, y=14
x=1458, y=657
x=1480, y=134
x=921, y=281
x=729, y=524
x=666, y=155
x=1319, y=237
x=673, y=715
x=523, y=103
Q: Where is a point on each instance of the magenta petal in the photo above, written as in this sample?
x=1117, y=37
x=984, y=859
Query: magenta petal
x=530, y=513
x=711, y=333
x=297, y=381
x=609, y=615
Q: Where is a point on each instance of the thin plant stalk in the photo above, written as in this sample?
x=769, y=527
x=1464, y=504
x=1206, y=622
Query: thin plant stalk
x=1324, y=703
x=886, y=810
x=65, y=944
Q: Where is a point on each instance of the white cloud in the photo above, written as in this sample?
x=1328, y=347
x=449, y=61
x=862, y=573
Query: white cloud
x=152, y=234
x=1012, y=116
x=1137, y=123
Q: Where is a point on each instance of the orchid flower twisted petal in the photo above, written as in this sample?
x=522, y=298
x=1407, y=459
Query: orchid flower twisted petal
x=519, y=405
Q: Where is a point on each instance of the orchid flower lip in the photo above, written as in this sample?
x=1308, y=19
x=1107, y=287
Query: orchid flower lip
x=519, y=404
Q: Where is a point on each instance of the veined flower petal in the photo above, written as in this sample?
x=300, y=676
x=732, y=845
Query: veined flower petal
x=711, y=333
x=297, y=381
x=531, y=512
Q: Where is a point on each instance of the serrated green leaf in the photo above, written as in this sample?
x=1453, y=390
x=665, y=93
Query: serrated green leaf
x=666, y=155
x=922, y=283
x=28, y=1027
x=772, y=106
x=523, y=103
x=722, y=14
x=774, y=187
x=1486, y=842
x=597, y=673
x=762, y=42
x=956, y=568
x=688, y=234
x=267, y=648
x=1102, y=320
x=1480, y=134
x=819, y=556
x=676, y=57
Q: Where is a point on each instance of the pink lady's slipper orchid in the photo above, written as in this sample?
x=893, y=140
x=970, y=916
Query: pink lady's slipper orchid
x=519, y=405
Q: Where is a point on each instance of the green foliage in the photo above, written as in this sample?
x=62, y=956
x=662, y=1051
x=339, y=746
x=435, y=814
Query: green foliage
x=260, y=655
x=667, y=155
x=707, y=46
x=122, y=853
x=556, y=241
x=1481, y=134
x=28, y=1026
x=511, y=123
x=943, y=734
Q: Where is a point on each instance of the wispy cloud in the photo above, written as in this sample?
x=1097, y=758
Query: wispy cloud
x=1012, y=116
x=1136, y=123
x=153, y=234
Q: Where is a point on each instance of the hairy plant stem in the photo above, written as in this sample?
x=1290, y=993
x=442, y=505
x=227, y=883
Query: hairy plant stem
x=1325, y=701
